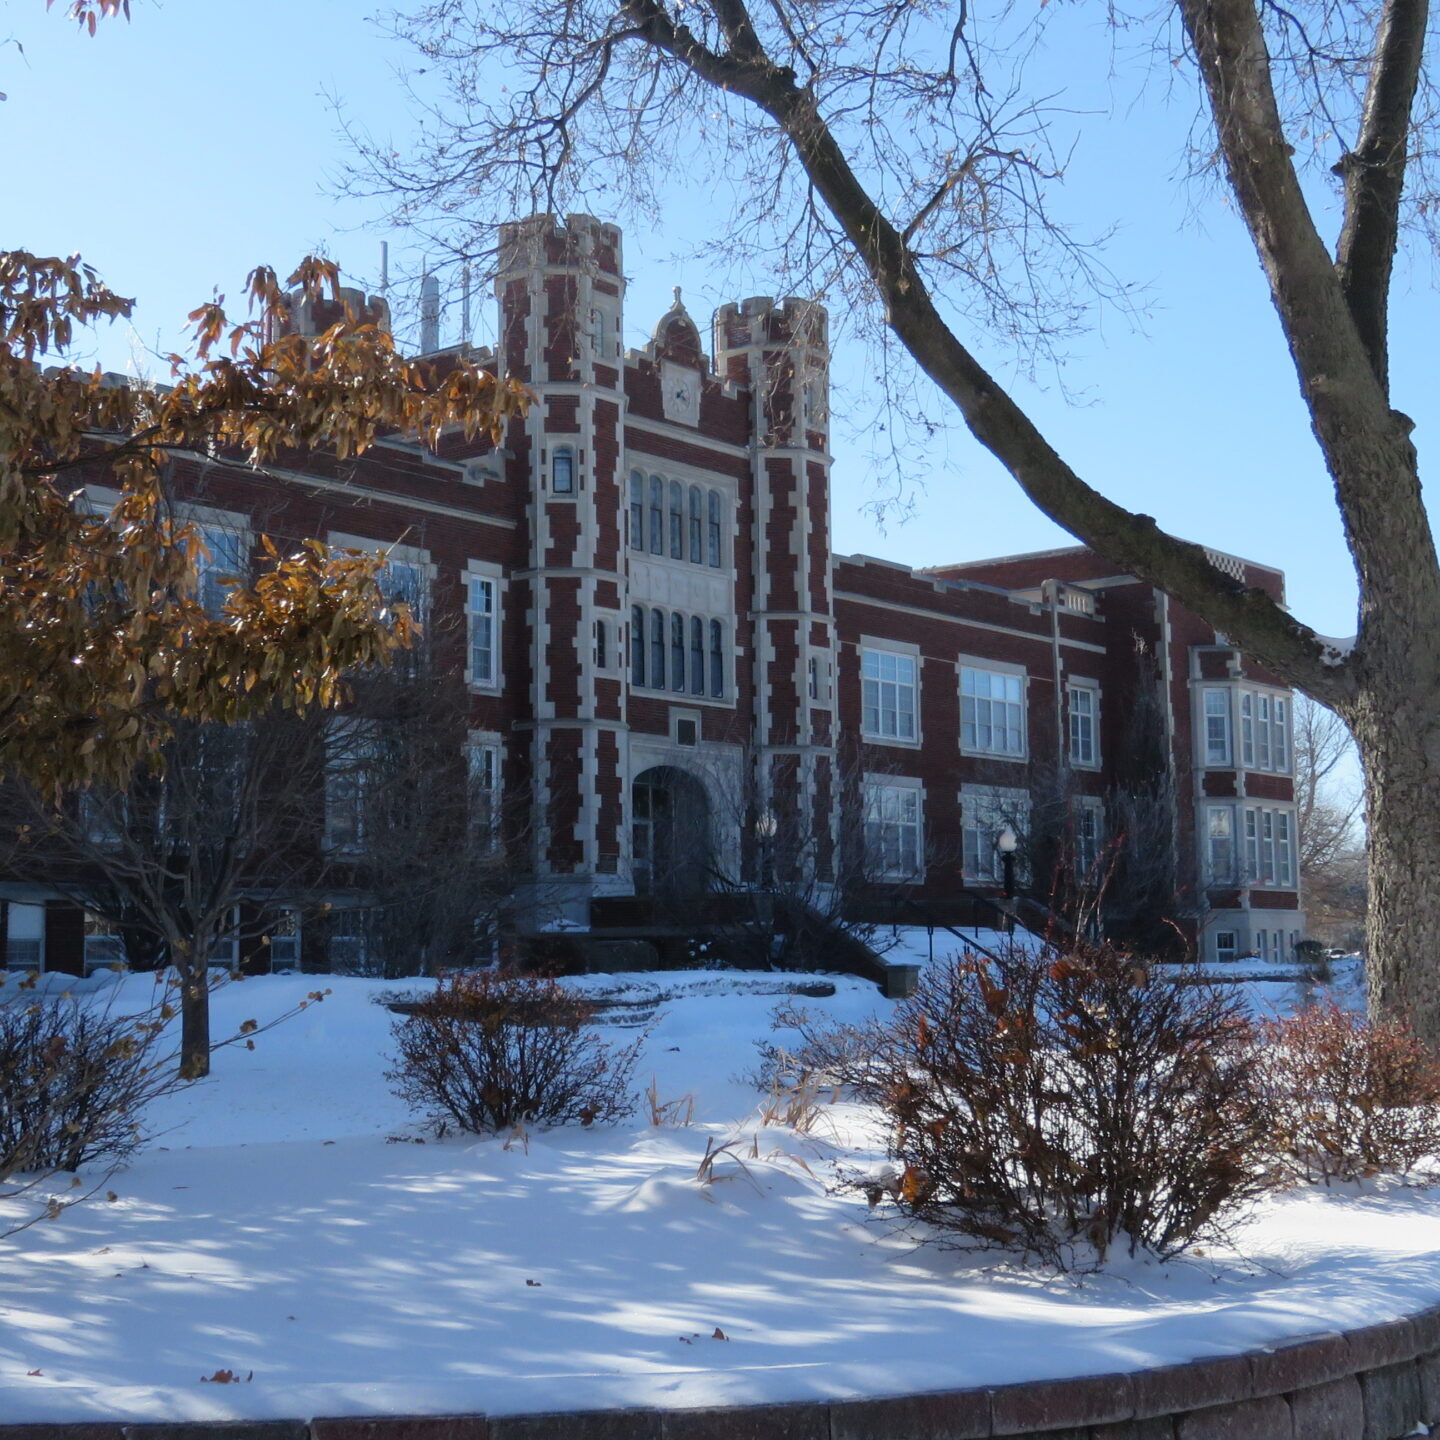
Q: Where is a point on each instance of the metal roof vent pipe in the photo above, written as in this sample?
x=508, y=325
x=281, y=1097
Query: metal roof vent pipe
x=429, y=315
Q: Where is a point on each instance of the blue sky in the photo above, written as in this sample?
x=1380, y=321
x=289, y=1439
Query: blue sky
x=179, y=150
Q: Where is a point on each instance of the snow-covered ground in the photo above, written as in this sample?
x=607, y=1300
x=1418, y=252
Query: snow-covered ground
x=286, y=1222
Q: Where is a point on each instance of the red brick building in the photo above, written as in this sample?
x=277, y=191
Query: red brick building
x=674, y=679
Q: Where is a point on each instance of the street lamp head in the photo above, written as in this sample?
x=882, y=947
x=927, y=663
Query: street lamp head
x=1007, y=840
x=765, y=825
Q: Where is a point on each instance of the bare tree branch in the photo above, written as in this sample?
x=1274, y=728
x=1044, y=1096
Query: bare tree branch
x=1374, y=174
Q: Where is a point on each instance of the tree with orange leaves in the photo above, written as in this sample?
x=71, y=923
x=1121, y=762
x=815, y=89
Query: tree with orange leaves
x=103, y=638
x=105, y=644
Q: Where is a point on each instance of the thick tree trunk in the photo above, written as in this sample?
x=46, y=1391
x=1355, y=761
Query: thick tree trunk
x=1397, y=731
x=194, y=1027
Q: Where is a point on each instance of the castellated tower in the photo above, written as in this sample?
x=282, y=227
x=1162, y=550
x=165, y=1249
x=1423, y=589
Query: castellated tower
x=780, y=353
x=561, y=294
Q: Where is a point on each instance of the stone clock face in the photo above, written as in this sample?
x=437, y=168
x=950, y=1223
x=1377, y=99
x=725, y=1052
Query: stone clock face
x=680, y=393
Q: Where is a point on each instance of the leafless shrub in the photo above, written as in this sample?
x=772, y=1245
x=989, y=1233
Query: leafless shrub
x=820, y=1051
x=1059, y=1105
x=492, y=1050
x=73, y=1081
x=1349, y=1099
x=76, y=1076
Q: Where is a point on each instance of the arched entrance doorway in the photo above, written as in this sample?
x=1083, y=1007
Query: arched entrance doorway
x=672, y=833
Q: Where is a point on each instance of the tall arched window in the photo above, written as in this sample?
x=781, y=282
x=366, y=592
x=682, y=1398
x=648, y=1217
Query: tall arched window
x=697, y=656
x=562, y=471
x=597, y=333
x=657, y=515
x=697, y=539
x=637, y=645
x=677, y=521
x=717, y=659
x=712, y=539
x=657, y=650
x=637, y=510
x=677, y=652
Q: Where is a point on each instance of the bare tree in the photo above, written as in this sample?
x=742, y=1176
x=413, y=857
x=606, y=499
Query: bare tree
x=900, y=154
x=819, y=848
x=189, y=863
x=1326, y=808
x=1333, y=875
x=416, y=827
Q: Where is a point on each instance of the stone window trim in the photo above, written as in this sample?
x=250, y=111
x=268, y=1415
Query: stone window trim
x=1267, y=839
x=717, y=518
x=396, y=553
x=1078, y=723
x=1220, y=845
x=662, y=643
x=1015, y=751
x=894, y=820
x=1215, y=727
x=1088, y=828
x=206, y=520
x=878, y=645
x=984, y=811
x=485, y=783
x=1265, y=737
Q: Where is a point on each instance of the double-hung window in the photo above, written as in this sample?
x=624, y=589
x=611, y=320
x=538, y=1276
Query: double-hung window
x=1264, y=732
x=1083, y=705
x=1217, y=727
x=104, y=945
x=402, y=582
x=992, y=712
x=220, y=567
x=985, y=811
x=1269, y=846
x=888, y=686
x=893, y=848
x=351, y=755
x=1220, y=844
x=1088, y=825
x=483, y=781
x=482, y=615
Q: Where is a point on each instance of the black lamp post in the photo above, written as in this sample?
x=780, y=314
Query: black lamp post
x=1006, y=842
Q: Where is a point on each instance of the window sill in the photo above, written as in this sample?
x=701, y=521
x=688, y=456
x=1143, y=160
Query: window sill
x=893, y=740
x=1002, y=755
x=679, y=697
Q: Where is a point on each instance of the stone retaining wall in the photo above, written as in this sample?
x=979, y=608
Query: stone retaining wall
x=1378, y=1383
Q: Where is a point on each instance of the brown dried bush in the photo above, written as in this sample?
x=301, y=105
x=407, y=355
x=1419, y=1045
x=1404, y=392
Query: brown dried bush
x=492, y=1050
x=1349, y=1099
x=74, y=1080
x=1059, y=1105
